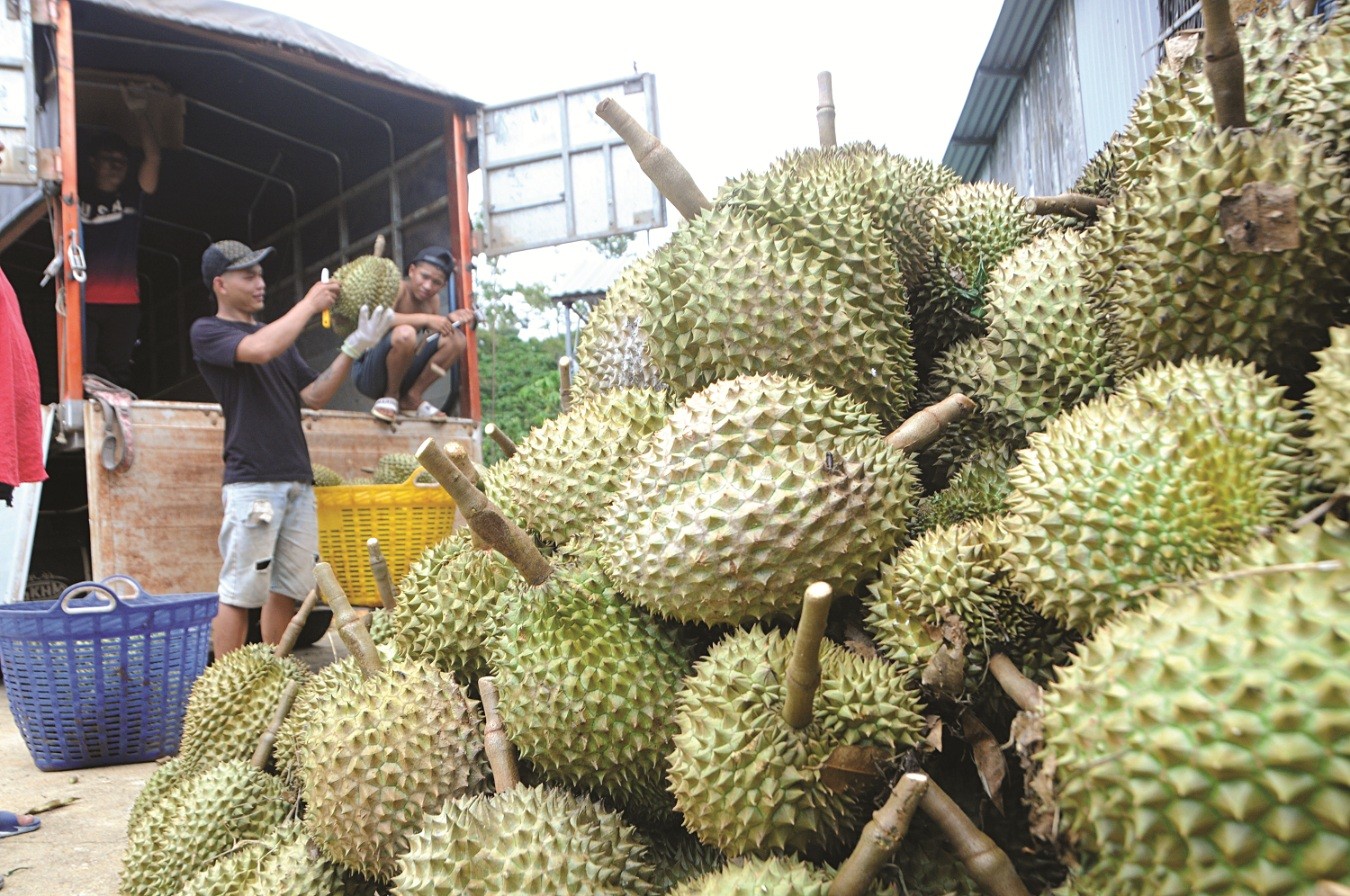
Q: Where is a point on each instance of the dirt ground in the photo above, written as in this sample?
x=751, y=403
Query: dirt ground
x=78, y=849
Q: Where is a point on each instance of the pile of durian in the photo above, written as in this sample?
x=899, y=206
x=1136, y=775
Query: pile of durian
x=391, y=468
x=762, y=582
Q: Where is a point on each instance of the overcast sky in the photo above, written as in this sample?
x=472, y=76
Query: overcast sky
x=735, y=80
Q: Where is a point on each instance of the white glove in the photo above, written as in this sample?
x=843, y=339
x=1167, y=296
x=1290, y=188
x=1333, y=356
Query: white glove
x=370, y=329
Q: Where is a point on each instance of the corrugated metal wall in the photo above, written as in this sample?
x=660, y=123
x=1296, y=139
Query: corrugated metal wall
x=1040, y=147
x=1116, y=60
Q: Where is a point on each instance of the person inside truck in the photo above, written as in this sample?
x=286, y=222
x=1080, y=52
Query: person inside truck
x=110, y=220
x=269, y=537
x=423, y=345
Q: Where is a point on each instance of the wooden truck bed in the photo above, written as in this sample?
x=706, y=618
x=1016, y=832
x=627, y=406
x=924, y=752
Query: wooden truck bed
x=159, y=520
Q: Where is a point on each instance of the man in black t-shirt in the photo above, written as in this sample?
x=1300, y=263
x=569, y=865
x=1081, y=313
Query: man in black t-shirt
x=269, y=537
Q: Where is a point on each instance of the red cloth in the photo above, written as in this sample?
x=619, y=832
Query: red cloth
x=20, y=396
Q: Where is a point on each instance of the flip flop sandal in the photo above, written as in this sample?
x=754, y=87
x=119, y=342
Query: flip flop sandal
x=428, y=411
x=385, y=409
x=10, y=827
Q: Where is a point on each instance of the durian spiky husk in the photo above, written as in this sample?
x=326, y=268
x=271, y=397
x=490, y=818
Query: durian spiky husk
x=394, y=468
x=774, y=876
x=612, y=348
x=527, y=841
x=1316, y=95
x=747, y=782
x=369, y=280
x=755, y=488
x=1101, y=175
x=280, y=864
x=588, y=684
x=448, y=606
x=325, y=477
x=1177, y=288
x=1183, y=465
x=233, y=702
x=1329, y=401
x=979, y=489
x=740, y=296
x=1200, y=742
x=383, y=754
x=310, y=704
x=204, y=816
x=677, y=856
x=567, y=470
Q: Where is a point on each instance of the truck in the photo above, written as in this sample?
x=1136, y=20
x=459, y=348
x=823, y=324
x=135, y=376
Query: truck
x=274, y=133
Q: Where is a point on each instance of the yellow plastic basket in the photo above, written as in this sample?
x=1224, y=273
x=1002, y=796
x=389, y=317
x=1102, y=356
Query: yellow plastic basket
x=407, y=519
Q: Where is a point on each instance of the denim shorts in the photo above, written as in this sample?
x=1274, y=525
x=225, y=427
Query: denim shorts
x=269, y=541
x=370, y=373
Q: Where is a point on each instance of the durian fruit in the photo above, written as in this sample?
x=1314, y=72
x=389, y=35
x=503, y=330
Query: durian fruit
x=612, y=348
x=316, y=694
x=771, y=876
x=974, y=226
x=956, y=571
x=280, y=864
x=448, y=606
x=325, y=477
x=232, y=703
x=566, y=471
x=162, y=781
x=678, y=856
x=1329, y=401
x=526, y=840
x=1316, y=94
x=967, y=368
x=740, y=294
x=368, y=280
x=201, y=819
x=1185, y=281
x=1199, y=743
x=383, y=754
x=755, y=487
x=588, y=685
x=1101, y=175
x=980, y=488
x=394, y=468
x=1177, y=101
x=1184, y=464
x=751, y=784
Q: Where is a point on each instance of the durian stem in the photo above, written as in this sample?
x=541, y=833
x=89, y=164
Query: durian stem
x=263, y=752
x=352, y=628
x=923, y=428
x=456, y=452
x=987, y=865
x=1066, y=205
x=500, y=753
x=378, y=249
x=502, y=439
x=1026, y=693
x=803, y=671
x=880, y=837
x=293, y=628
x=484, y=517
x=379, y=568
x=1330, y=888
x=565, y=382
x=1223, y=65
x=825, y=109
x=656, y=160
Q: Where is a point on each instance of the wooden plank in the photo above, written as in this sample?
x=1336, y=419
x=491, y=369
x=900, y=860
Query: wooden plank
x=159, y=521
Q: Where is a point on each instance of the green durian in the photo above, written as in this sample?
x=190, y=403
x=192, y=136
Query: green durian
x=1158, y=482
x=1316, y=94
x=380, y=756
x=772, y=876
x=394, y=468
x=678, y=856
x=567, y=470
x=233, y=702
x=612, y=350
x=280, y=864
x=369, y=280
x=448, y=606
x=1329, y=401
x=1101, y=176
x=205, y=816
x=524, y=841
x=738, y=295
x=588, y=684
x=755, y=488
x=1184, y=282
x=325, y=477
x=310, y=705
x=979, y=489
x=1200, y=744
x=750, y=784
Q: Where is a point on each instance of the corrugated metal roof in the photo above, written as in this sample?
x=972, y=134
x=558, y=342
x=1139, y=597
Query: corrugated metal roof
x=1016, y=33
x=591, y=278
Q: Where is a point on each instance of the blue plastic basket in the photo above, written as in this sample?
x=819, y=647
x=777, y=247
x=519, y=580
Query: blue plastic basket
x=100, y=678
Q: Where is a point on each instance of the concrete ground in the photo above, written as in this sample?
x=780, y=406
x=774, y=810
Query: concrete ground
x=78, y=849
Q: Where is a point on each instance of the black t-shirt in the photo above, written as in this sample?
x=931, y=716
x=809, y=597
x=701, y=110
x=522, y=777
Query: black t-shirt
x=263, y=438
x=112, y=231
